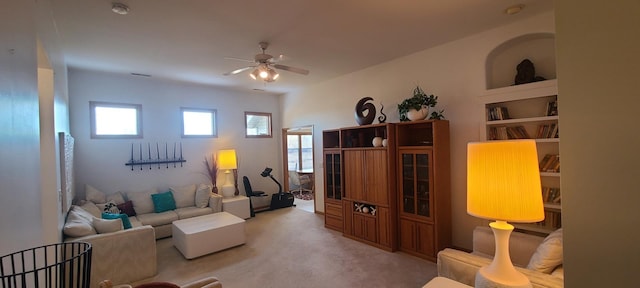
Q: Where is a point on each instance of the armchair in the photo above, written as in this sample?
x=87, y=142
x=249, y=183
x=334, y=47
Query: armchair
x=299, y=183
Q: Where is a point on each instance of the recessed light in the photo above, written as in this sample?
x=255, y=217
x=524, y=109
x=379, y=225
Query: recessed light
x=120, y=8
x=515, y=9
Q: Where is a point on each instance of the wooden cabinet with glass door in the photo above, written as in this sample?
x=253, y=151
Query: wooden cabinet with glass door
x=424, y=187
x=332, y=180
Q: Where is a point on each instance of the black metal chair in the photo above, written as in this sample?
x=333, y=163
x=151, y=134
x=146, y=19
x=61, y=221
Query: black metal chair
x=250, y=193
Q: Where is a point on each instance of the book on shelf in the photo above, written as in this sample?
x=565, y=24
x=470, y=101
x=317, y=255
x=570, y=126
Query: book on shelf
x=552, y=108
x=547, y=131
x=504, y=133
x=550, y=163
x=552, y=220
x=497, y=113
x=551, y=195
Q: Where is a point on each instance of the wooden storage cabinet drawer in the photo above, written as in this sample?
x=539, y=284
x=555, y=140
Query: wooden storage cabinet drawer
x=334, y=210
x=333, y=223
x=333, y=216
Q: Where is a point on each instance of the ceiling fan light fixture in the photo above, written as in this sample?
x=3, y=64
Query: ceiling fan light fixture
x=254, y=74
x=264, y=74
x=273, y=74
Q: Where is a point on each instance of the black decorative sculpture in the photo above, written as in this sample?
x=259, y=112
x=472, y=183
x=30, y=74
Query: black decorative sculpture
x=362, y=107
x=382, y=117
x=526, y=73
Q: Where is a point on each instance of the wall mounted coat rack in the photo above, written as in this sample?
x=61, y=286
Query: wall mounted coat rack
x=147, y=158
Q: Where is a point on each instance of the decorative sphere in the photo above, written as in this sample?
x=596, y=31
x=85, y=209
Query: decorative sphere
x=365, y=210
x=377, y=142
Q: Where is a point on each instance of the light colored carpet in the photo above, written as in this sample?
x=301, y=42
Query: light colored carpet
x=290, y=247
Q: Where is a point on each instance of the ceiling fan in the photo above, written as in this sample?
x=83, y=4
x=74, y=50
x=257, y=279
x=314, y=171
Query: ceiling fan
x=263, y=66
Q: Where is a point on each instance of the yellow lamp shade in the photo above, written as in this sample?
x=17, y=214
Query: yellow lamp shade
x=227, y=159
x=503, y=181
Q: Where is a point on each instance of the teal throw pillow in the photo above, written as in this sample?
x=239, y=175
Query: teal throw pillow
x=126, y=224
x=163, y=202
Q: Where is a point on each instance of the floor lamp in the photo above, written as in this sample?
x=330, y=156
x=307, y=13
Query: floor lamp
x=227, y=161
x=503, y=184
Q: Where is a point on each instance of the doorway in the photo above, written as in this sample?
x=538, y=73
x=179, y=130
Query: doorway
x=299, y=163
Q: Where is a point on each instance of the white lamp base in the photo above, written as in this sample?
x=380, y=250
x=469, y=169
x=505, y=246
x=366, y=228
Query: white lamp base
x=228, y=189
x=501, y=273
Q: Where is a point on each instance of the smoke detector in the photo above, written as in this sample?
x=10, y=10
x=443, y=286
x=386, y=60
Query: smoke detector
x=120, y=8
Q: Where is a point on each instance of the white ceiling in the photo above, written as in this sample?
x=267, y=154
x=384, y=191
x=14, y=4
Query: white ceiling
x=188, y=40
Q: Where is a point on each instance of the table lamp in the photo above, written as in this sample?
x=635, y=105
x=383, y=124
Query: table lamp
x=227, y=161
x=503, y=184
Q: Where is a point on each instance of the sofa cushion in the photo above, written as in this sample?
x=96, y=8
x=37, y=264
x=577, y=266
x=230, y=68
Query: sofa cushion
x=549, y=254
x=135, y=222
x=202, y=195
x=188, y=212
x=141, y=200
x=107, y=225
x=117, y=198
x=184, y=195
x=125, y=219
x=79, y=223
x=94, y=195
x=163, y=202
x=157, y=219
x=91, y=208
x=127, y=208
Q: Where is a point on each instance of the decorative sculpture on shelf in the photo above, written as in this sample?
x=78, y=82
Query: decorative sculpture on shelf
x=382, y=117
x=361, y=107
x=359, y=207
x=526, y=73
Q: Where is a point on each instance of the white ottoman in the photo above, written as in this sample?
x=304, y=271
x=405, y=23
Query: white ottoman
x=206, y=234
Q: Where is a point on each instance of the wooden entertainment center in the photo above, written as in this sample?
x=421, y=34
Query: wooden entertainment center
x=392, y=196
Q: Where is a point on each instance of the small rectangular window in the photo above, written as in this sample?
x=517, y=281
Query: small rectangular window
x=115, y=120
x=257, y=125
x=198, y=122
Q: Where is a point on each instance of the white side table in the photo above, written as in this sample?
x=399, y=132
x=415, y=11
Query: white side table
x=442, y=282
x=238, y=205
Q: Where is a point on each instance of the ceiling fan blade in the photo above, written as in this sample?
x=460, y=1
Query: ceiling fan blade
x=234, y=72
x=240, y=59
x=279, y=58
x=291, y=69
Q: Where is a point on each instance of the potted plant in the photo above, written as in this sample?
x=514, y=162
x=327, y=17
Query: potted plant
x=416, y=107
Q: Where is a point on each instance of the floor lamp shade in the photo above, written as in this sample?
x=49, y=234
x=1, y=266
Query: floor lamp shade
x=503, y=184
x=227, y=161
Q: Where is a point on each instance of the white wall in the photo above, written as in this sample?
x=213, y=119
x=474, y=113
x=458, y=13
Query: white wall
x=19, y=136
x=597, y=50
x=454, y=71
x=29, y=218
x=100, y=162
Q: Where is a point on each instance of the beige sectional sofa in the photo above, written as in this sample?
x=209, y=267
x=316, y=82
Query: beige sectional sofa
x=129, y=255
x=538, y=258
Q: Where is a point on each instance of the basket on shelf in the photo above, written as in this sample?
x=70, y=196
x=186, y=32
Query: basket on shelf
x=58, y=265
